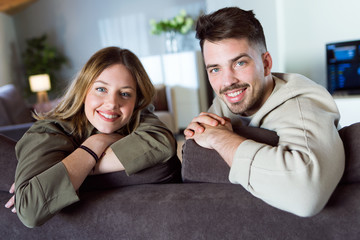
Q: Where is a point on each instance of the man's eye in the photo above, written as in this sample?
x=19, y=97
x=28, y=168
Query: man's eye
x=214, y=70
x=241, y=63
x=100, y=89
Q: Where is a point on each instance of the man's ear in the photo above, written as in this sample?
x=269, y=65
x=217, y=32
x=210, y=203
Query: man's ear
x=267, y=61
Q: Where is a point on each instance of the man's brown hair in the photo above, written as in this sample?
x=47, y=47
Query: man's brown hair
x=231, y=22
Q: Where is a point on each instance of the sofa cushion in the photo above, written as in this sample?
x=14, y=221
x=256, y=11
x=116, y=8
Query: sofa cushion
x=8, y=163
x=351, y=139
x=206, y=165
x=15, y=106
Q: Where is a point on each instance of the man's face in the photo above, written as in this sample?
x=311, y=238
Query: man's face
x=239, y=74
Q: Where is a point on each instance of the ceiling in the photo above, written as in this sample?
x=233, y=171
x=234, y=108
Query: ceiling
x=14, y=6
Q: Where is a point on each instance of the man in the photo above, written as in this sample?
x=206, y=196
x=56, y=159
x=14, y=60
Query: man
x=301, y=172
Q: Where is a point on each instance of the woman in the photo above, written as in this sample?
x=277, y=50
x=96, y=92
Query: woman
x=100, y=126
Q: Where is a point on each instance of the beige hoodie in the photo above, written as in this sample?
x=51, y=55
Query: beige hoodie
x=301, y=172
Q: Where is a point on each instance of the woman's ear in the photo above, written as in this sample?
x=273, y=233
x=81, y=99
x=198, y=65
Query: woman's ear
x=267, y=61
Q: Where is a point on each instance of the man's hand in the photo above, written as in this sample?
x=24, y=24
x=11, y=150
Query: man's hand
x=211, y=134
x=214, y=132
x=197, y=124
x=206, y=127
x=11, y=201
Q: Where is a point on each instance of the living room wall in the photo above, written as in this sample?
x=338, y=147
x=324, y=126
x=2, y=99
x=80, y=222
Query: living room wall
x=9, y=55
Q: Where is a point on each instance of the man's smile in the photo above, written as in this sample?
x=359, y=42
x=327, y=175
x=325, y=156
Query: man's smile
x=235, y=96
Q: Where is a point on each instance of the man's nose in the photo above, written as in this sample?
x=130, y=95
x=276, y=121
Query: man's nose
x=229, y=77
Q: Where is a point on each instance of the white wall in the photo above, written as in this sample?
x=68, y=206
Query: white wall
x=297, y=30
x=267, y=13
x=9, y=57
x=309, y=25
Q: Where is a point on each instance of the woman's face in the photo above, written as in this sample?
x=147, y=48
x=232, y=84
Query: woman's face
x=110, y=101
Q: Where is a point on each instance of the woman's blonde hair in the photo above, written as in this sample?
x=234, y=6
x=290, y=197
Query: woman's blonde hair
x=71, y=106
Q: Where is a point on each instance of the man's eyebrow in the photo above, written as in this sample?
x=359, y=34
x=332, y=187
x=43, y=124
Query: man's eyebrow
x=231, y=60
x=211, y=66
x=238, y=57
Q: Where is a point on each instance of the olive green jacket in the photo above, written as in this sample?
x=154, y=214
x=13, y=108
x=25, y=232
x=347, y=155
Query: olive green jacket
x=42, y=184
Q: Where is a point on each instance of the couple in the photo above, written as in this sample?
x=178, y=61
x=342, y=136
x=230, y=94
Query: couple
x=102, y=125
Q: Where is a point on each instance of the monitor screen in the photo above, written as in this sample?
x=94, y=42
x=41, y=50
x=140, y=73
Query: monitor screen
x=343, y=67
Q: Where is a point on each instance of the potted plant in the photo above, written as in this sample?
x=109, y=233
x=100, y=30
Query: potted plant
x=180, y=24
x=40, y=58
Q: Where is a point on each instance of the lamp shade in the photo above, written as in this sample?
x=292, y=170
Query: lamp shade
x=40, y=83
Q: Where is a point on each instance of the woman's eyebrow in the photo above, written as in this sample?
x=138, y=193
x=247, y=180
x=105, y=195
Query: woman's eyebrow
x=100, y=81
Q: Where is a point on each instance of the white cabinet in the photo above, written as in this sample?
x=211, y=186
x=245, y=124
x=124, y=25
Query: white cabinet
x=349, y=108
x=184, y=73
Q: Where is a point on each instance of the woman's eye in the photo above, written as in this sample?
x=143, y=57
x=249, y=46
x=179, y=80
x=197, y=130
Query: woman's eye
x=100, y=89
x=125, y=94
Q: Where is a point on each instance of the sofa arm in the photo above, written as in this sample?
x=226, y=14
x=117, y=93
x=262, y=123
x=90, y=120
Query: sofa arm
x=350, y=136
x=16, y=131
x=8, y=163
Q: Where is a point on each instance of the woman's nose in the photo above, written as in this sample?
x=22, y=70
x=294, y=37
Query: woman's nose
x=113, y=100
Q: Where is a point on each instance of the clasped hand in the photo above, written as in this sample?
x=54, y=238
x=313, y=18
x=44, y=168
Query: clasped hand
x=205, y=128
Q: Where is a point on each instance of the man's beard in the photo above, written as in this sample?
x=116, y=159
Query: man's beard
x=246, y=107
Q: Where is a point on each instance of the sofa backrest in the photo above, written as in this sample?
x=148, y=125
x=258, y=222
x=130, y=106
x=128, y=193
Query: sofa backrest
x=206, y=165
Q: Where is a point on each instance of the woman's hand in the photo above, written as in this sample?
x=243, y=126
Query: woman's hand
x=11, y=201
x=100, y=142
x=79, y=164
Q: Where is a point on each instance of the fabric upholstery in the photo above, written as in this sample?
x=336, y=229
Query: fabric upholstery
x=189, y=211
x=162, y=173
x=351, y=139
x=15, y=106
x=4, y=118
x=206, y=165
x=8, y=163
x=184, y=210
x=16, y=131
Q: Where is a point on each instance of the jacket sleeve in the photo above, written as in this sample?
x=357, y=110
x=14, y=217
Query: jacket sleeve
x=301, y=172
x=151, y=143
x=42, y=184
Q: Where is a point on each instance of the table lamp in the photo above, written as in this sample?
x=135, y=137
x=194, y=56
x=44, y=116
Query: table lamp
x=40, y=84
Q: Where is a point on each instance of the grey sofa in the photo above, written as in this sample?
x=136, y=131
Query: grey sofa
x=16, y=116
x=205, y=206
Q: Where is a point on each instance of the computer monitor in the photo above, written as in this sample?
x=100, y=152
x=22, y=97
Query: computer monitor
x=343, y=67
